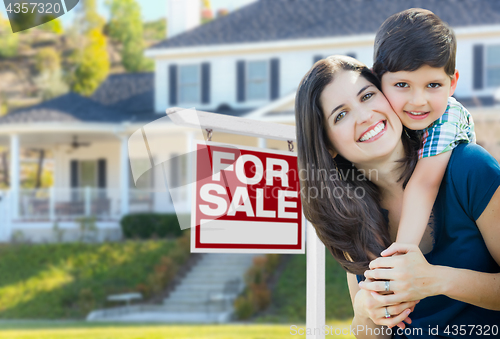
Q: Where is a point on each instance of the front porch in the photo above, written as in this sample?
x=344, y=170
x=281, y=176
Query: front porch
x=42, y=213
x=69, y=204
x=92, y=180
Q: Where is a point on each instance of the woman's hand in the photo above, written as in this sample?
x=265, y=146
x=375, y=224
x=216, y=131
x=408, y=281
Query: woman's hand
x=368, y=306
x=409, y=274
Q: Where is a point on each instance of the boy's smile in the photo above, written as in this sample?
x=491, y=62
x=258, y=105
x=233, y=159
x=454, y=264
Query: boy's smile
x=419, y=97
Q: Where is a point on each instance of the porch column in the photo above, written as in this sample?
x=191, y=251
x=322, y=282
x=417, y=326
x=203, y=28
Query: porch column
x=124, y=175
x=262, y=143
x=14, y=174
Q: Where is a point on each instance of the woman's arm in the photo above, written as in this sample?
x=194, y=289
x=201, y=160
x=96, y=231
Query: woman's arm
x=414, y=278
x=419, y=197
x=367, y=308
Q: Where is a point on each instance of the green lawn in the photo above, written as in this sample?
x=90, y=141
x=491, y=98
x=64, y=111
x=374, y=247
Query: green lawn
x=83, y=330
x=289, y=294
x=64, y=281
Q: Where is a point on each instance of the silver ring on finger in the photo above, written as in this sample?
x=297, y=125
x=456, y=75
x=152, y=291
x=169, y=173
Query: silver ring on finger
x=387, y=314
x=387, y=286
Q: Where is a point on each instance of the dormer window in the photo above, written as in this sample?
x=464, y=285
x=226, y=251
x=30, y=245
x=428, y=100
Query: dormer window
x=493, y=66
x=257, y=80
x=189, y=84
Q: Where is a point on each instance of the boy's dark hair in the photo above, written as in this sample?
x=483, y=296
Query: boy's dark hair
x=412, y=38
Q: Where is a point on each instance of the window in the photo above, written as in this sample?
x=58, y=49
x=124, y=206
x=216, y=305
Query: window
x=88, y=173
x=257, y=80
x=189, y=84
x=493, y=66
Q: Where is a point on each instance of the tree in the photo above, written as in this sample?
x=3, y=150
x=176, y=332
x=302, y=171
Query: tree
x=91, y=62
x=50, y=75
x=93, y=66
x=125, y=27
x=54, y=26
x=155, y=30
x=89, y=19
x=8, y=40
x=47, y=59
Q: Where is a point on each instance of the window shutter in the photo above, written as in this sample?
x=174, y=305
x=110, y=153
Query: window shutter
x=172, y=83
x=101, y=173
x=478, y=66
x=317, y=58
x=205, y=83
x=240, y=81
x=74, y=173
x=275, y=78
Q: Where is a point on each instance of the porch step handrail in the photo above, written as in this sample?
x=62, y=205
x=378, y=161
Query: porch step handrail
x=66, y=204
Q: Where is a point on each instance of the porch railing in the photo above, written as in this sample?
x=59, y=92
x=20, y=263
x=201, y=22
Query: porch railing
x=104, y=204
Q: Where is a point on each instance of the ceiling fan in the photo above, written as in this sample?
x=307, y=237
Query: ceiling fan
x=75, y=144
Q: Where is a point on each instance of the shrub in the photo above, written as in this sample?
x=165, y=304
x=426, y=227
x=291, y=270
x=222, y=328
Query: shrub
x=149, y=225
x=163, y=273
x=257, y=292
x=261, y=296
x=272, y=262
x=9, y=42
x=47, y=59
x=181, y=252
x=86, y=300
x=244, y=307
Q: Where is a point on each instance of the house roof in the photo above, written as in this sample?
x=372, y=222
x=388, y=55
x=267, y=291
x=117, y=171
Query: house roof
x=127, y=92
x=121, y=97
x=271, y=20
x=70, y=107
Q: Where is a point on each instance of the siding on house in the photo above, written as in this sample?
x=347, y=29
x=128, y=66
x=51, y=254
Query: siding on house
x=223, y=75
x=293, y=66
x=297, y=25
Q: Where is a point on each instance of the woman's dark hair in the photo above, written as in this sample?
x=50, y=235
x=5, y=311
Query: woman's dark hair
x=412, y=38
x=353, y=228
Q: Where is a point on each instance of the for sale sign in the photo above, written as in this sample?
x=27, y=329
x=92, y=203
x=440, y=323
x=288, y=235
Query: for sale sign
x=246, y=200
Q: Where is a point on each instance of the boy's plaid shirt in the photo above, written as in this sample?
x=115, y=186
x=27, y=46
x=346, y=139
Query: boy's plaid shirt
x=444, y=134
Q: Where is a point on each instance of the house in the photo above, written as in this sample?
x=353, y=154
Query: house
x=247, y=63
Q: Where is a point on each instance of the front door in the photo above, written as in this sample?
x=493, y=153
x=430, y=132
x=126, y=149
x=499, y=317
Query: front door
x=88, y=173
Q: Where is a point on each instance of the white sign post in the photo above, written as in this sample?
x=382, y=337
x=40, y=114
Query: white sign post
x=315, y=250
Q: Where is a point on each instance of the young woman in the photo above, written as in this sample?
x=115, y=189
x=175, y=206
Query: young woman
x=349, y=134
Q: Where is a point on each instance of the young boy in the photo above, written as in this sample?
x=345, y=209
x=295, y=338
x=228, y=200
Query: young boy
x=415, y=59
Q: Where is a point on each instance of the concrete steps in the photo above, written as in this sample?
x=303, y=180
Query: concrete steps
x=202, y=290
x=199, y=298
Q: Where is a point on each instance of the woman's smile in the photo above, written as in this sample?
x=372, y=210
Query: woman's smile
x=374, y=132
x=360, y=122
